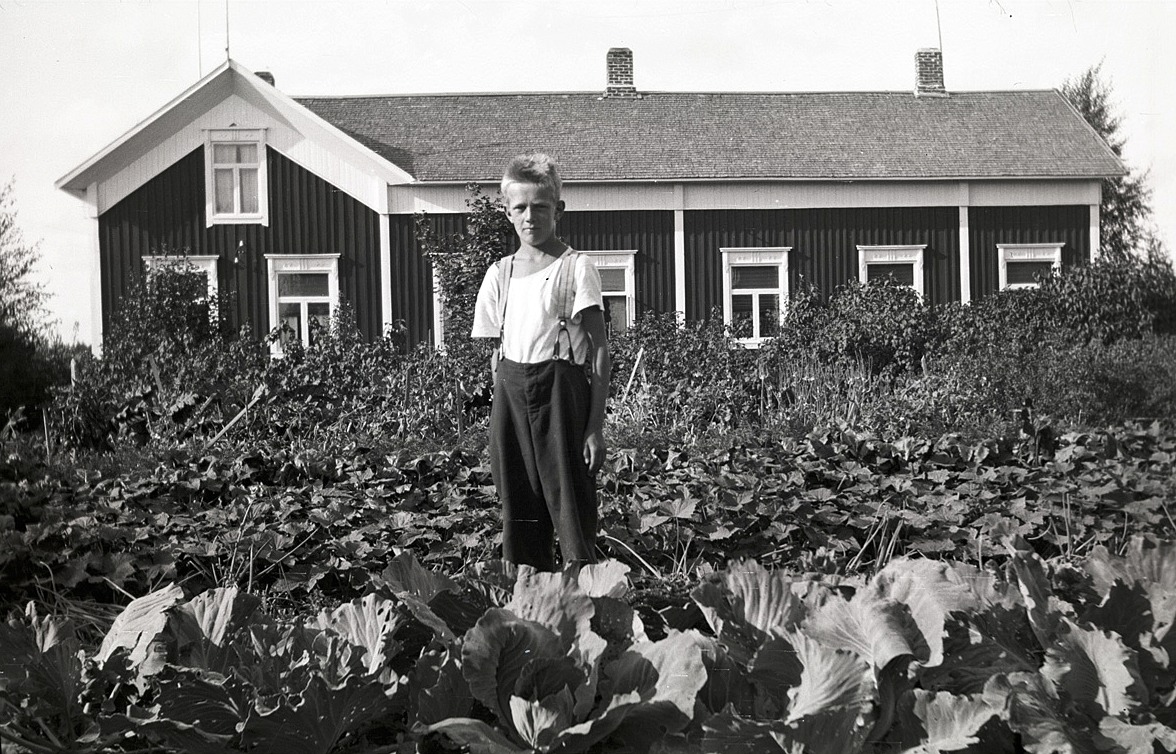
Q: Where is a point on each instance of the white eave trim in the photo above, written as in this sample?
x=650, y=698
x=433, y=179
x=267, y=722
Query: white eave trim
x=76, y=179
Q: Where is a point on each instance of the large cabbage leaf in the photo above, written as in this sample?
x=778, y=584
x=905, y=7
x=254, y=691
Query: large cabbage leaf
x=1120, y=736
x=139, y=628
x=1036, y=714
x=369, y=625
x=979, y=645
x=727, y=732
x=554, y=600
x=541, y=721
x=880, y=630
x=727, y=683
x=437, y=689
x=831, y=679
x=774, y=669
x=495, y=652
x=1147, y=563
x=477, y=736
x=932, y=590
x=608, y=578
x=199, y=711
x=1095, y=671
x=203, y=627
x=436, y=600
x=405, y=576
x=1127, y=611
x=1045, y=610
x=649, y=692
x=833, y=731
x=747, y=603
x=41, y=667
x=316, y=717
x=1148, y=566
x=947, y=722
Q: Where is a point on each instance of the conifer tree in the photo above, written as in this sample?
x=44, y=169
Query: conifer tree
x=1125, y=214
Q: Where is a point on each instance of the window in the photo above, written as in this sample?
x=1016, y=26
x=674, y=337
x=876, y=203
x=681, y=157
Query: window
x=616, y=287
x=303, y=295
x=235, y=176
x=755, y=289
x=205, y=264
x=903, y=263
x=1021, y=264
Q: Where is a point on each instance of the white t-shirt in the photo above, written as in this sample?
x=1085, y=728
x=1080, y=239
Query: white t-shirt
x=532, y=316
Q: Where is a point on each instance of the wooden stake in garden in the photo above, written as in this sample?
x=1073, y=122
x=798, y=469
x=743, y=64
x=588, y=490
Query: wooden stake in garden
x=260, y=391
x=632, y=374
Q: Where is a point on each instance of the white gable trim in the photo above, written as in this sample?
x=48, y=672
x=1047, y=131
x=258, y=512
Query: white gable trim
x=231, y=112
x=231, y=96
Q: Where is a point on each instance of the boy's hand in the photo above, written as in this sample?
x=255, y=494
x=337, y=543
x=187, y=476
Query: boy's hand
x=594, y=451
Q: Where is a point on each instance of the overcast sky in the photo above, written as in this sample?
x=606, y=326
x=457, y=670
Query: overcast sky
x=78, y=74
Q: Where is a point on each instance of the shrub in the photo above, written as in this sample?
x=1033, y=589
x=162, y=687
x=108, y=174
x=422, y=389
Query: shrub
x=1015, y=321
x=980, y=393
x=164, y=354
x=461, y=259
x=1114, y=298
x=692, y=378
x=881, y=324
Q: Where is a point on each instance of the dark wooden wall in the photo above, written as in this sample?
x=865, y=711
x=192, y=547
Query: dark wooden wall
x=307, y=215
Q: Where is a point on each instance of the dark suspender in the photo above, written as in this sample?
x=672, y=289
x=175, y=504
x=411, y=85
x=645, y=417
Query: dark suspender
x=563, y=290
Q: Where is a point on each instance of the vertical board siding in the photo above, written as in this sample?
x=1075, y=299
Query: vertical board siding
x=989, y=226
x=825, y=242
x=650, y=232
x=307, y=215
x=709, y=231
x=824, y=246
x=412, y=275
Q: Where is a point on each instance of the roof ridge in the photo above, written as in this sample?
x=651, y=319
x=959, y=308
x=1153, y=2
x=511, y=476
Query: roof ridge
x=600, y=95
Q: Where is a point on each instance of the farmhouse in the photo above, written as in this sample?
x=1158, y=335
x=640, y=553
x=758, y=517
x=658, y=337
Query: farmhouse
x=689, y=202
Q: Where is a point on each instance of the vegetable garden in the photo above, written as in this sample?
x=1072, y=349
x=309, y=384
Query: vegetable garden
x=893, y=530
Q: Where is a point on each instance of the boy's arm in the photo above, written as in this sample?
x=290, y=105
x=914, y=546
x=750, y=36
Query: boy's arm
x=592, y=320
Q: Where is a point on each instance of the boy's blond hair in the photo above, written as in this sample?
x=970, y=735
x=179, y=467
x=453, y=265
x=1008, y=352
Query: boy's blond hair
x=535, y=167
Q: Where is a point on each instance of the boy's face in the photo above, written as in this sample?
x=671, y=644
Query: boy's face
x=533, y=210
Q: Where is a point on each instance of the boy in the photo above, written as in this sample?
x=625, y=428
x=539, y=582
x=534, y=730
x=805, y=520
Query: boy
x=544, y=306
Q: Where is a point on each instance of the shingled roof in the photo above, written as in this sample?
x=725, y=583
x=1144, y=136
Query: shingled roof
x=729, y=136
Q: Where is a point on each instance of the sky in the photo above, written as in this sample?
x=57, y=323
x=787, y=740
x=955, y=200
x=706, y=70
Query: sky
x=78, y=74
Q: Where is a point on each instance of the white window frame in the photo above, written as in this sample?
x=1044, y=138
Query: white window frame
x=746, y=256
x=277, y=264
x=1026, y=252
x=255, y=136
x=205, y=263
x=895, y=254
x=624, y=259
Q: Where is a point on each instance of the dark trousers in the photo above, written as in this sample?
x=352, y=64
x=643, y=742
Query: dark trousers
x=537, y=423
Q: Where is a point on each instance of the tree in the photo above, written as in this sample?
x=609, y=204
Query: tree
x=1126, y=201
x=22, y=299
x=461, y=259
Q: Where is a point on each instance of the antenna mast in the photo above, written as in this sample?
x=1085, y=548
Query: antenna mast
x=227, y=56
x=199, y=40
x=938, y=26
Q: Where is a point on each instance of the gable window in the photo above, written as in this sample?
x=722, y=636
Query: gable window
x=203, y=264
x=1021, y=264
x=755, y=289
x=303, y=295
x=235, y=176
x=903, y=263
x=616, y=287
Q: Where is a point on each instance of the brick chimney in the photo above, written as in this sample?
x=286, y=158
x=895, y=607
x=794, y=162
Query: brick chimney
x=265, y=76
x=620, y=73
x=929, y=73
